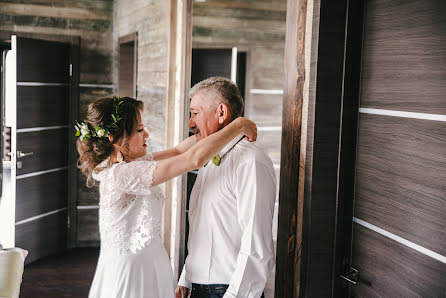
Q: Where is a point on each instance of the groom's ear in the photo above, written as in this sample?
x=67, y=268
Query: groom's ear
x=223, y=113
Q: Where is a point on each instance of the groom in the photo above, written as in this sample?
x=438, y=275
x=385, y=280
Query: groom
x=231, y=206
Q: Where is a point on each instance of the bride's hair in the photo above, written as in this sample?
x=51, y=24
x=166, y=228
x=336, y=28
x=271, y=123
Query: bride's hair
x=103, y=113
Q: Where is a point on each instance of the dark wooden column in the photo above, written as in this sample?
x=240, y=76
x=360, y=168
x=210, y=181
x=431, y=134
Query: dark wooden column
x=289, y=234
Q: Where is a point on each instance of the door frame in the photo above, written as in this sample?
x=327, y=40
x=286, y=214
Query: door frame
x=317, y=183
x=74, y=42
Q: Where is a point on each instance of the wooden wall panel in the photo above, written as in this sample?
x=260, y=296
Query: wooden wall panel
x=401, y=174
x=151, y=20
x=404, y=59
x=44, y=193
x=389, y=269
x=44, y=157
x=88, y=227
x=87, y=196
x=43, y=237
x=267, y=141
x=34, y=103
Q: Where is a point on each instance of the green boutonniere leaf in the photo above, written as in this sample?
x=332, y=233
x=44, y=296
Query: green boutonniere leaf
x=216, y=160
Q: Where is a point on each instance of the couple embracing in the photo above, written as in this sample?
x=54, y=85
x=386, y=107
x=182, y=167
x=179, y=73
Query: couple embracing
x=231, y=206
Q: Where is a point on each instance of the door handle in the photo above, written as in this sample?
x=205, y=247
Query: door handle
x=21, y=154
x=352, y=276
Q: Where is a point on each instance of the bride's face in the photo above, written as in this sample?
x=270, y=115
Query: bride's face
x=137, y=142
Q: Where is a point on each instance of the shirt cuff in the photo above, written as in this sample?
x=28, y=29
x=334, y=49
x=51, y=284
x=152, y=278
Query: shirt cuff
x=183, y=281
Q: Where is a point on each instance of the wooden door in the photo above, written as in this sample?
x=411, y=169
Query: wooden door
x=399, y=229
x=40, y=140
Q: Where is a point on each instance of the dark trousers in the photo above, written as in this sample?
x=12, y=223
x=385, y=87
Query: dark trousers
x=209, y=291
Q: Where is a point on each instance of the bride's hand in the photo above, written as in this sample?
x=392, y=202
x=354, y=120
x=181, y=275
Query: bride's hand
x=247, y=128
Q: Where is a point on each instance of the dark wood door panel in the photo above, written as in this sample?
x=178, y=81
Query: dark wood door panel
x=401, y=174
x=44, y=236
x=210, y=62
x=126, y=69
x=42, y=61
x=88, y=228
x=390, y=269
x=404, y=56
x=40, y=194
x=42, y=106
x=50, y=149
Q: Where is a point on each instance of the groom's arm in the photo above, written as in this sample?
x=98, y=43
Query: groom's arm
x=256, y=192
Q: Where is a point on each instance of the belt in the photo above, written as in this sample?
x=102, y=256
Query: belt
x=218, y=289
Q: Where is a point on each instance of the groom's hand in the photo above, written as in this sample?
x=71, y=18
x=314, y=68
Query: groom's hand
x=182, y=292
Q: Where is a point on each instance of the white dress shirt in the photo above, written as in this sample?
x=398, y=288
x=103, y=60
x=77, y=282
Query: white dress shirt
x=230, y=222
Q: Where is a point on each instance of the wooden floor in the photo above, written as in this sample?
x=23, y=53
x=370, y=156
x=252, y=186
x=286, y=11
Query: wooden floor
x=68, y=274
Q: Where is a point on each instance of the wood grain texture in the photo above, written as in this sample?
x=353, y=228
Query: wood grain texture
x=68, y=274
x=267, y=68
x=210, y=63
x=42, y=61
x=86, y=196
x=42, y=106
x=348, y=145
x=43, y=237
x=404, y=59
x=401, y=174
x=127, y=60
x=88, y=21
x=289, y=234
x=389, y=269
x=41, y=194
x=88, y=226
x=323, y=135
x=45, y=157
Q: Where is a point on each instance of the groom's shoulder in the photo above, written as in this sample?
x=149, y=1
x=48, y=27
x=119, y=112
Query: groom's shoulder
x=250, y=152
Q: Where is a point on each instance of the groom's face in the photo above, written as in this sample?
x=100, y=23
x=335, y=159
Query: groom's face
x=203, y=114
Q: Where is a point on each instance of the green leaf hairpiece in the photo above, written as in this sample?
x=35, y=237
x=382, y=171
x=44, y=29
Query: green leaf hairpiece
x=84, y=132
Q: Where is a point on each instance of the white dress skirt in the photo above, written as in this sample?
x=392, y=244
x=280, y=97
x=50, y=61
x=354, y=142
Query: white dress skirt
x=146, y=274
x=132, y=262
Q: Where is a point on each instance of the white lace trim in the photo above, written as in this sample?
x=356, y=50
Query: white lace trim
x=128, y=222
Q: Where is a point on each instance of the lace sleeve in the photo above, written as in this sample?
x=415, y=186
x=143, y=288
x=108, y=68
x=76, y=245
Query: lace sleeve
x=135, y=177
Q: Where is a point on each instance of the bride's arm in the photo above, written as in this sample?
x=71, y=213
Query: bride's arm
x=177, y=150
x=203, y=151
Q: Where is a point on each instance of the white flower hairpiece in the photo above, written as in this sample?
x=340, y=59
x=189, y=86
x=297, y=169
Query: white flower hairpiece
x=84, y=132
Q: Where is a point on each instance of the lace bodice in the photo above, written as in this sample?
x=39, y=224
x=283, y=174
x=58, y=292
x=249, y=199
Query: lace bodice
x=130, y=207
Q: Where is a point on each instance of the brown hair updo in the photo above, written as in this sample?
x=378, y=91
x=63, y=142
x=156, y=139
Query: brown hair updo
x=95, y=150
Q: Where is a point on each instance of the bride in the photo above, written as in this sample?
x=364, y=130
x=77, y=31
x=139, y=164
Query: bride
x=112, y=147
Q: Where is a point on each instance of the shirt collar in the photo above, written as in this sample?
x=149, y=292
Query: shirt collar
x=230, y=145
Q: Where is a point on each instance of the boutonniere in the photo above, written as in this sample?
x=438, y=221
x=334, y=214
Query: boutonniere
x=216, y=160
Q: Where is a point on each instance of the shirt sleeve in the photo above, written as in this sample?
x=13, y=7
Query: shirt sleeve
x=256, y=193
x=135, y=177
x=183, y=281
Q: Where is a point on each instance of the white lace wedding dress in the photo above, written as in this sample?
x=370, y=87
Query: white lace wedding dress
x=133, y=261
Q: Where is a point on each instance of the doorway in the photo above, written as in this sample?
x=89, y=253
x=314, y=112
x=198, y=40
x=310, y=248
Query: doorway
x=128, y=65
x=39, y=100
x=207, y=63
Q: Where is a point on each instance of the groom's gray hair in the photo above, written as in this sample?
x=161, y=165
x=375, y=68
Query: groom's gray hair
x=228, y=91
